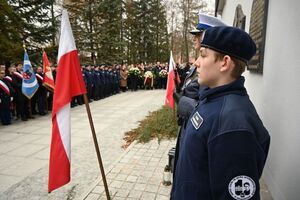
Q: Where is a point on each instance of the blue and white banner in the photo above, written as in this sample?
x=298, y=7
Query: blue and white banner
x=29, y=84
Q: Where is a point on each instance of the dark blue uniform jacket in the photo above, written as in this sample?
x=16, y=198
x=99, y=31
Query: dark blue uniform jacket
x=224, y=147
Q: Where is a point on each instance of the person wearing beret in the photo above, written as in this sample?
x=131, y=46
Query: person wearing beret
x=187, y=98
x=225, y=145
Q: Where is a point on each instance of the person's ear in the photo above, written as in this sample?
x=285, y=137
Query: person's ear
x=226, y=64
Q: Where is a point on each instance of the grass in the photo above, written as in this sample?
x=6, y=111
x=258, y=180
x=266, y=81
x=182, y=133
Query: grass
x=160, y=124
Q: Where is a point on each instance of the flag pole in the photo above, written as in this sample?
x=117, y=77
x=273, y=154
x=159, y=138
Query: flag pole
x=46, y=103
x=86, y=102
x=29, y=99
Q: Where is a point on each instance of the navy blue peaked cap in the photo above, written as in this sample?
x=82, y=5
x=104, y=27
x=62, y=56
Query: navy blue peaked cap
x=230, y=41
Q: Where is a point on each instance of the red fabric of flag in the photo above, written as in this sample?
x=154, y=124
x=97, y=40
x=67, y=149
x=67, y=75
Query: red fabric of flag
x=48, y=80
x=169, y=101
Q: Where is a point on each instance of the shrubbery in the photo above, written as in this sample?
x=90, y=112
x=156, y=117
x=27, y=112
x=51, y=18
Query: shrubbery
x=159, y=124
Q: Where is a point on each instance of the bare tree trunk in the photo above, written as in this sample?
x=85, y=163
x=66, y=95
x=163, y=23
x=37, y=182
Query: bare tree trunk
x=53, y=24
x=186, y=11
x=186, y=31
x=91, y=33
x=172, y=31
x=157, y=36
x=121, y=32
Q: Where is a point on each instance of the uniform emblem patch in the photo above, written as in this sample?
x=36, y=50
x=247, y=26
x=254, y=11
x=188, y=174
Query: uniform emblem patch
x=197, y=120
x=242, y=188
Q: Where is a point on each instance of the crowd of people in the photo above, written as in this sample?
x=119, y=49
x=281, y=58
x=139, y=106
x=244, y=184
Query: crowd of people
x=101, y=81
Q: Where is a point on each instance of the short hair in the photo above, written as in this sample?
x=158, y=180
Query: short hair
x=239, y=65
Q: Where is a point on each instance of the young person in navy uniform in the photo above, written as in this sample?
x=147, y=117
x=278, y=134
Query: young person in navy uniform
x=225, y=145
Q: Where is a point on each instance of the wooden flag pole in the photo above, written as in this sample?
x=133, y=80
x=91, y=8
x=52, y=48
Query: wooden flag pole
x=86, y=102
x=46, y=103
x=30, y=109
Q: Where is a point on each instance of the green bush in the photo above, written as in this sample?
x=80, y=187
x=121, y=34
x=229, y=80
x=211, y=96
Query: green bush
x=161, y=124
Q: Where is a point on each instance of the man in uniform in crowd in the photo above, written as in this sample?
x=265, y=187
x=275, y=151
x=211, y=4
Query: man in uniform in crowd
x=225, y=144
x=188, y=97
x=116, y=78
x=102, y=82
x=9, y=72
x=41, y=92
x=6, y=96
x=22, y=106
x=89, y=74
x=106, y=81
x=97, y=80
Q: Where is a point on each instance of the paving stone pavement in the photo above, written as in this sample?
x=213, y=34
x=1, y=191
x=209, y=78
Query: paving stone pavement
x=138, y=174
x=24, y=146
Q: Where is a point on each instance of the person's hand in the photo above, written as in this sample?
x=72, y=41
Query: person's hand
x=11, y=99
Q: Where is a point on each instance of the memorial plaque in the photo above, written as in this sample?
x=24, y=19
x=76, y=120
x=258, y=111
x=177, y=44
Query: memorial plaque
x=258, y=25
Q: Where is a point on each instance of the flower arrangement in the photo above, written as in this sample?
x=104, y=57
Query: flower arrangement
x=148, y=74
x=134, y=71
x=148, y=81
x=163, y=73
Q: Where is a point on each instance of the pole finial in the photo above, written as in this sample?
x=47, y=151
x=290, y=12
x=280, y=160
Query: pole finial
x=24, y=46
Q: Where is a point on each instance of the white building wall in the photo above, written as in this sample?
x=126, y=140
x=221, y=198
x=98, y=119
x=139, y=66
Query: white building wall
x=276, y=93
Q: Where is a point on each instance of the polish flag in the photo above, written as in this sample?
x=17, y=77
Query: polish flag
x=48, y=80
x=69, y=83
x=169, y=101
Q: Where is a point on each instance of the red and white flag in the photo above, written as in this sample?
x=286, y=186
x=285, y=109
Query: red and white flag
x=169, y=101
x=48, y=80
x=69, y=83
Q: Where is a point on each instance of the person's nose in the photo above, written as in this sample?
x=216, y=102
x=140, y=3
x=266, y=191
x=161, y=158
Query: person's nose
x=194, y=39
x=197, y=62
